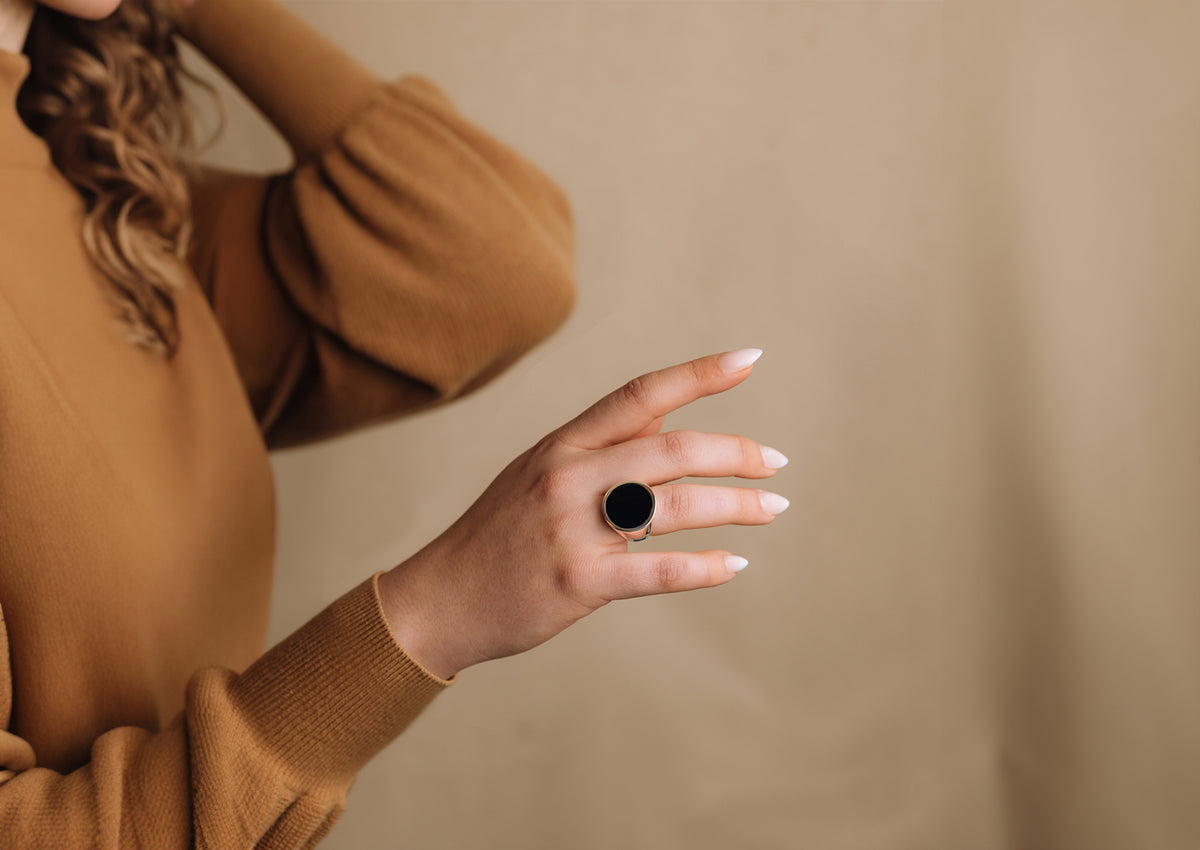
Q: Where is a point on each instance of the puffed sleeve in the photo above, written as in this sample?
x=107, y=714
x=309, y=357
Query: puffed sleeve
x=407, y=258
x=259, y=759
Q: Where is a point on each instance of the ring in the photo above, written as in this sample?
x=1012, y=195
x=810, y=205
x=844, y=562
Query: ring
x=628, y=508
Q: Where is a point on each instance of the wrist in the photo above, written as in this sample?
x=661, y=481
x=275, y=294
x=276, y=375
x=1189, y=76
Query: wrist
x=416, y=619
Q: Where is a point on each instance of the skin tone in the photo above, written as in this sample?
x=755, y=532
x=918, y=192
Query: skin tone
x=533, y=554
x=16, y=16
x=91, y=9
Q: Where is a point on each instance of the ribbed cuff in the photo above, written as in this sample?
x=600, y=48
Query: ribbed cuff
x=335, y=692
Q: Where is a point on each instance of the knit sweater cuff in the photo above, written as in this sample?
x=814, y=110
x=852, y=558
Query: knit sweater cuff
x=335, y=692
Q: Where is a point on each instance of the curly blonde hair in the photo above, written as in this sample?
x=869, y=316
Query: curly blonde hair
x=106, y=97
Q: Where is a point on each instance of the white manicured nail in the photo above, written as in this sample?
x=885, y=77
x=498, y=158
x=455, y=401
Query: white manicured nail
x=735, y=361
x=735, y=563
x=773, y=503
x=774, y=458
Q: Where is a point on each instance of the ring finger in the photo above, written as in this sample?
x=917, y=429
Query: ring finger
x=680, y=506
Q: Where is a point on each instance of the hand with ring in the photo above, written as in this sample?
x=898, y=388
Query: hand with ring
x=548, y=541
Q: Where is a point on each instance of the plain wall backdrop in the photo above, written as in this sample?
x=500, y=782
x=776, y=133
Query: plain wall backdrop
x=966, y=241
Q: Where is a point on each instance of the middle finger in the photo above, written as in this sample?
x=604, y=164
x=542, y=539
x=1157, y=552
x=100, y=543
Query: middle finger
x=664, y=457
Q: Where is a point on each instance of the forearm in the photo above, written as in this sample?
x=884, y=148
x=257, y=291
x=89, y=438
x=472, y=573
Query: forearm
x=305, y=85
x=261, y=758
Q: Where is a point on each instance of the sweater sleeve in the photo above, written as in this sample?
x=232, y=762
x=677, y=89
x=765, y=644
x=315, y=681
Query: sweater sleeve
x=407, y=258
x=260, y=759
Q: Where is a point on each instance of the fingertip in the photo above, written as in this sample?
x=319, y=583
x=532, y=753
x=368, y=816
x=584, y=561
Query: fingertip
x=772, y=504
x=724, y=566
x=773, y=459
x=738, y=359
x=735, y=563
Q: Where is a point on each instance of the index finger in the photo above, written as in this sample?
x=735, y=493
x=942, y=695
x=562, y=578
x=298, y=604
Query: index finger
x=625, y=412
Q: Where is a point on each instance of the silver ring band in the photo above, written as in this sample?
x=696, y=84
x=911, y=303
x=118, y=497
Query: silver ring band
x=628, y=508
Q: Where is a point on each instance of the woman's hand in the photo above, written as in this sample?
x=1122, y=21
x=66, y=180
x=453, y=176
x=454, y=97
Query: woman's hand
x=533, y=554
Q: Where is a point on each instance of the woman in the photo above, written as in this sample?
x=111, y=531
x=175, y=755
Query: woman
x=163, y=325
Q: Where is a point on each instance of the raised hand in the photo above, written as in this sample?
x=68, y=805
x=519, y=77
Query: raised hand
x=533, y=554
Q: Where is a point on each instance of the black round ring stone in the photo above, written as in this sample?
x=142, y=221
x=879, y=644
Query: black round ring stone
x=629, y=506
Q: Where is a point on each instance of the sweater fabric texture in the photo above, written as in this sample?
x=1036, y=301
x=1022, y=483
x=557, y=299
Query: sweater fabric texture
x=406, y=258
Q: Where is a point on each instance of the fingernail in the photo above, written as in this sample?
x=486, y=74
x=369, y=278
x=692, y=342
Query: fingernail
x=735, y=564
x=773, y=503
x=774, y=458
x=736, y=361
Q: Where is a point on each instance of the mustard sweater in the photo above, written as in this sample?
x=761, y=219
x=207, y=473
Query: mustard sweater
x=407, y=258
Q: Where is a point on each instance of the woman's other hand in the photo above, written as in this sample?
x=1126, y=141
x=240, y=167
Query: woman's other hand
x=533, y=554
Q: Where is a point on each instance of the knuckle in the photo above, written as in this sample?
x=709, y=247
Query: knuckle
x=568, y=580
x=547, y=451
x=581, y=580
x=698, y=373
x=636, y=392
x=678, y=446
x=556, y=481
x=679, y=503
x=670, y=571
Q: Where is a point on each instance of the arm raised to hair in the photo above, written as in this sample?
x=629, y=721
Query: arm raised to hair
x=407, y=258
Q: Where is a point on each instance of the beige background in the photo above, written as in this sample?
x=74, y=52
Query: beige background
x=967, y=242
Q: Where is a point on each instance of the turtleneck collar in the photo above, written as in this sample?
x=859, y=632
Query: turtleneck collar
x=18, y=144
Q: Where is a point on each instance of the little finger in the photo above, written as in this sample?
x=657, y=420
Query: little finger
x=630, y=574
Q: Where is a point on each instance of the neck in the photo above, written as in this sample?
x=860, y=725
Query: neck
x=15, y=18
